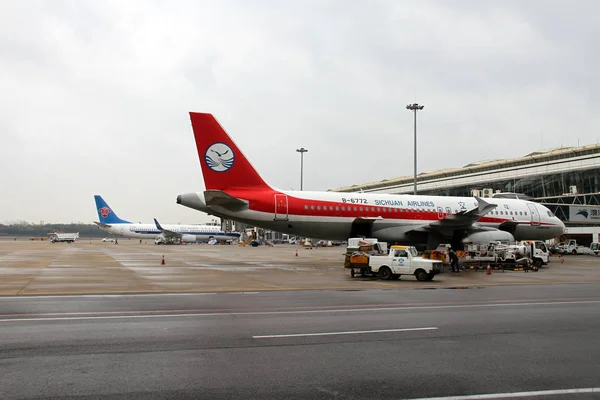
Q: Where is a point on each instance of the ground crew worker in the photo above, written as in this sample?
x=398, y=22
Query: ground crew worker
x=453, y=260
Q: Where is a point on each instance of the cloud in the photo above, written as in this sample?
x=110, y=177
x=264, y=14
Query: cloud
x=95, y=94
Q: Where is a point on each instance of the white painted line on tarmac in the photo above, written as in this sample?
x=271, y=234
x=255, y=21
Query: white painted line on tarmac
x=291, y=312
x=114, y=295
x=515, y=394
x=431, y=328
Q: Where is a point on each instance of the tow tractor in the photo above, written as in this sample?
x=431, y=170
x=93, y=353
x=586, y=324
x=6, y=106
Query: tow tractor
x=373, y=259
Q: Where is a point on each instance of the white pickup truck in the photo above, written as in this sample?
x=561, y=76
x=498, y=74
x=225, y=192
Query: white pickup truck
x=571, y=247
x=401, y=260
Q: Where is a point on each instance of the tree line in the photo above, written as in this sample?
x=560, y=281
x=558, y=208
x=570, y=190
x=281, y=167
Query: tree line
x=42, y=230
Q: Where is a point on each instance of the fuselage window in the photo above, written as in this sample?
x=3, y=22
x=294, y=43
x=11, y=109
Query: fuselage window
x=361, y=209
x=384, y=209
x=372, y=208
x=378, y=209
x=337, y=208
x=318, y=207
x=525, y=212
x=355, y=209
x=306, y=207
x=312, y=207
x=343, y=208
x=330, y=208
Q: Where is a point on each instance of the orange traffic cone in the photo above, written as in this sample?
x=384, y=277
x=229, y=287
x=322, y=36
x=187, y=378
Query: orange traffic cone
x=296, y=253
x=163, y=261
x=488, y=271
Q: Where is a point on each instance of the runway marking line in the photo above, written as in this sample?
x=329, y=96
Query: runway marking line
x=431, y=328
x=514, y=394
x=187, y=313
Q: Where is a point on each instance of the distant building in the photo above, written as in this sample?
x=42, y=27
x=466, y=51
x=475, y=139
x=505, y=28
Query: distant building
x=566, y=180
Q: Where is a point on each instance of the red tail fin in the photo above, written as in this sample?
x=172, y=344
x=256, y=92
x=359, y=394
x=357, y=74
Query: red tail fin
x=224, y=166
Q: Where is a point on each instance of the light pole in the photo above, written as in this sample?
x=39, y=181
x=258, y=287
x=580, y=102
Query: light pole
x=301, y=150
x=414, y=108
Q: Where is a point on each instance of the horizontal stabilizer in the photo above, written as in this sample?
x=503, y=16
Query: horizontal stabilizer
x=219, y=198
x=101, y=225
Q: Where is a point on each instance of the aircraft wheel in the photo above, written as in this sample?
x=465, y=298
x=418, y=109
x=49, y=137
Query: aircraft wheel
x=396, y=276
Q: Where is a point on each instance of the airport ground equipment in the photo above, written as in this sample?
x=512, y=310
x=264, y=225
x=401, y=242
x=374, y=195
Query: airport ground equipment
x=537, y=251
x=571, y=247
x=371, y=258
x=501, y=256
x=595, y=248
x=63, y=237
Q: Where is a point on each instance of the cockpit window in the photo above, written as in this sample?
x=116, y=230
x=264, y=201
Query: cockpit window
x=550, y=214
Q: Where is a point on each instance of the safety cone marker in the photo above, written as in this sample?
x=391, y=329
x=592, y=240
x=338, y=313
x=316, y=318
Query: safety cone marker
x=163, y=261
x=488, y=271
x=296, y=253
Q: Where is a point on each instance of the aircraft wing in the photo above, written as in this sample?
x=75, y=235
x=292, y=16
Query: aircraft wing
x=461, y=220
x=101, y=225
x=167, y=233
x=222, y=199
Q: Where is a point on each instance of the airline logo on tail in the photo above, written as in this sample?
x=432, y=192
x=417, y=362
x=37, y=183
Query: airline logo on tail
x=104, y=211
x=219, y=157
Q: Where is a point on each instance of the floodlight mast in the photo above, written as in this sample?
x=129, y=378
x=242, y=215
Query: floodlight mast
x=414, y=108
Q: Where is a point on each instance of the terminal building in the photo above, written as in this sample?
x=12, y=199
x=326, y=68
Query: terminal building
x=566, y=180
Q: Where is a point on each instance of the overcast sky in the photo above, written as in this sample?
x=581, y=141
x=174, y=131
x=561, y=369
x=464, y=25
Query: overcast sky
x=95, y=95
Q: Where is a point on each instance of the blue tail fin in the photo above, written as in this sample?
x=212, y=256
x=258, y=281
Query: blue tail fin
x=106, y=214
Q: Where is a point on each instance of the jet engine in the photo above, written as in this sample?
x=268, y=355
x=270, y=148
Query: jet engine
x=188, y=239
x=488, y=236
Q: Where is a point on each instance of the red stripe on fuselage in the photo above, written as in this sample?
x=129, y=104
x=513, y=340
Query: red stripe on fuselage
x=264, y=201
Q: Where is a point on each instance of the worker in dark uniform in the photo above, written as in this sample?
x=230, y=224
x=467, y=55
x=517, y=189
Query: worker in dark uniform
x=453, y=260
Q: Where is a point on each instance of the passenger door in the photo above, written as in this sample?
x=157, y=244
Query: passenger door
x=281, y=207
x=535, y=216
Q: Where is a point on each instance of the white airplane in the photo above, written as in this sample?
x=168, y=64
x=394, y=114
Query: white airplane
x=234, y=190
x=111, y=223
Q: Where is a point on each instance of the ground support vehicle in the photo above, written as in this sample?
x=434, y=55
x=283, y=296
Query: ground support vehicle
x=498, y=256
x=595, y=248
x=63, y=237
x=400, y=260
x=571, y=247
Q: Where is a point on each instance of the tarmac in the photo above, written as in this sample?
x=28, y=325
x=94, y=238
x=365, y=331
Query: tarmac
x=94, y=267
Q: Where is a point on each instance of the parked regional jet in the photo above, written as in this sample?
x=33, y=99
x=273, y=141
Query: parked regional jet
x=111, y=223
x=234, y=190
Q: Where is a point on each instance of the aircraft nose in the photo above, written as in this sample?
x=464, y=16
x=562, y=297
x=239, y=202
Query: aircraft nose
x=561, y=226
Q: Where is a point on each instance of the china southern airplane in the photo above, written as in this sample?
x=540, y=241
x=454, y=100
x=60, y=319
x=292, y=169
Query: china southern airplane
x=234, y=190
x=111, y=223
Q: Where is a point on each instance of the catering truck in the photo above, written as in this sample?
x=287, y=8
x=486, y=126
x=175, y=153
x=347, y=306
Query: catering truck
x=399, y=260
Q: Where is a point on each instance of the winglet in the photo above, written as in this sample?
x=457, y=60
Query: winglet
x=484, y=206
x=160, y=228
